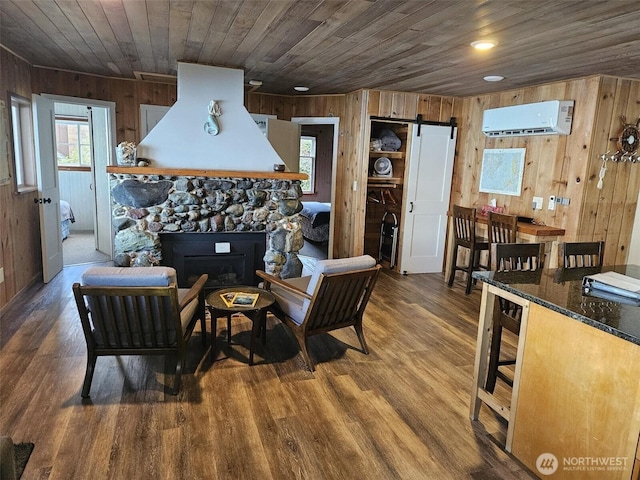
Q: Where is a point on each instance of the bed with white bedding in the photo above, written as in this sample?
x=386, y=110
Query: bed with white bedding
x=66, y=218
x=314, y=221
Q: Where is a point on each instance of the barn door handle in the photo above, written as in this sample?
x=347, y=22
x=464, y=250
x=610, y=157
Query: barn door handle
x=410, y=207
x=41, y=200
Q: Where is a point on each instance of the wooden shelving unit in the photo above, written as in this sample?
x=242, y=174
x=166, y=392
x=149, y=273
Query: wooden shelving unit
x=384, y=194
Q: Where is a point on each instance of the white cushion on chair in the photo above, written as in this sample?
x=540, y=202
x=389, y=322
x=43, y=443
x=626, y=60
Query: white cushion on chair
x=338, y=265
x=295, y=306
x=129, y=276
x=291, y=304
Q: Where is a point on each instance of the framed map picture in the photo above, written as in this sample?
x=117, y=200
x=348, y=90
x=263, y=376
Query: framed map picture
x=502, y=170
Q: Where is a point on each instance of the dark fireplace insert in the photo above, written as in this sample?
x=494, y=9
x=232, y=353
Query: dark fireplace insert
x=229, y=258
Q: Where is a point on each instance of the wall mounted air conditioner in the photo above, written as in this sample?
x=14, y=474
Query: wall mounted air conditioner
x=543, y=118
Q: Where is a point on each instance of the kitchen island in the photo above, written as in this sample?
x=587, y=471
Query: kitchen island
x=574, y=409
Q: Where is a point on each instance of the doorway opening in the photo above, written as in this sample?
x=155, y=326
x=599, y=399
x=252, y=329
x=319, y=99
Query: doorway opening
x=318, y=157
x=84, y=145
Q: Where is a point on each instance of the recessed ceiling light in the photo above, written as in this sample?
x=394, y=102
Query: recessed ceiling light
x=483, y=44
x=301, y=89
x=494, y=78
x=255, y=83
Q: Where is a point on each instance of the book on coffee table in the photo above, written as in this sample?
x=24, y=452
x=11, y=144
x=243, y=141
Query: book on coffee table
x=239, y=299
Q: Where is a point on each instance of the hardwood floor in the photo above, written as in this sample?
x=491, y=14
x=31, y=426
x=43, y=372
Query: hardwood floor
x=401, y=412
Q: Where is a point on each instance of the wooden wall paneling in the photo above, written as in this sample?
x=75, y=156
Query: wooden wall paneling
x=625, y=196
x=547, y=152
x=303, y=105
x=350, y=205
x=599, y=145
x=406, y=105
x=19, y=218
x=127, y=95
x=611, y=197
x=464, y=184
x=435, y=110
x=630, y=204
x=385, y=106
x=318, y=106
x=578, y=153
x=543, y=175
x=607, y=214
x=373, y=106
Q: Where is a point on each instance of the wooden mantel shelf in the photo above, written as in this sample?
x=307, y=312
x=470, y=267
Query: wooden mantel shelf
x=185, y=172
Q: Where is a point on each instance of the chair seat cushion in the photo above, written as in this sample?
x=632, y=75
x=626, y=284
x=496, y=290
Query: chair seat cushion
x=338, y=265
x=292, y=305
x=129, y=276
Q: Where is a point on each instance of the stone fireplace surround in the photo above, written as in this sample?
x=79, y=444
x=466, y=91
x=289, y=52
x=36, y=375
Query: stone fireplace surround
x=146, y=201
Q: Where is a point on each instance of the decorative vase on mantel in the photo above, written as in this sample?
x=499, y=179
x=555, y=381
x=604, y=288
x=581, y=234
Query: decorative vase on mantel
x=126, y=154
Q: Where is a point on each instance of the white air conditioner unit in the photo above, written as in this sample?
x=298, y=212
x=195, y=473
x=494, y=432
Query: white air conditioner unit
x=543, y=118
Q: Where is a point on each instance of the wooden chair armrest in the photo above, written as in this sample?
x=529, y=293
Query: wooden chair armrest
x=269, y=279
x=194, y=291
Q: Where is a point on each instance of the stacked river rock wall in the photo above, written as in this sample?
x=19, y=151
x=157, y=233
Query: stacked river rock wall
x=145, y=205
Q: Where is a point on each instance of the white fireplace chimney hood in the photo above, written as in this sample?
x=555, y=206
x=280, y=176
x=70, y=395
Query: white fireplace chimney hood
x=180, y=139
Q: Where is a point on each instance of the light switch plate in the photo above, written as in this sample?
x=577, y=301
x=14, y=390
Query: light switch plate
x=223, y=247
x=1, y=274
x=537, y=203
x=552, y=203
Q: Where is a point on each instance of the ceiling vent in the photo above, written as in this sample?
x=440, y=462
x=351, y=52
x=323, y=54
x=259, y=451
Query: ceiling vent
x=156, y=77
x=543, y=118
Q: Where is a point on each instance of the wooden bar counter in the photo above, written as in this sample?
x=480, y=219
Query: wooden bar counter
x=574, y=410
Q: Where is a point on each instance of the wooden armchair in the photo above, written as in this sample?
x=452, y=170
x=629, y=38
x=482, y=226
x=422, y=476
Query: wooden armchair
x=137, y=311
x=334, y=297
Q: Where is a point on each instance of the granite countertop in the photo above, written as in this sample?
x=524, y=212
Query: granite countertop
x=561, y=291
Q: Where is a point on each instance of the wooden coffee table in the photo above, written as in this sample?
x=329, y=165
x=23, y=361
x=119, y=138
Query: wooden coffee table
x=256, y=313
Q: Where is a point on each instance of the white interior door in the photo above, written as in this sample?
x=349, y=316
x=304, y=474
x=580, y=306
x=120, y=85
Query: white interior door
x=102, y=151
x=48, y=189
x=284, y=136
x=428, y=184
x=103, y=134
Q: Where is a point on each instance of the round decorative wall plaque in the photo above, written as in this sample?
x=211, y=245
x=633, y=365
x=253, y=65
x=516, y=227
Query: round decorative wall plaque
x=629, y=138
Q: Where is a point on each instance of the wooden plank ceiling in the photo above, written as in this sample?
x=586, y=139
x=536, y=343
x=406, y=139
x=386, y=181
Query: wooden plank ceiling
x=333, y=46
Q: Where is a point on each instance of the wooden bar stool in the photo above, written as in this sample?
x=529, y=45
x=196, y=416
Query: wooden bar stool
x=580, y=254
x=502, y=229
x=528, y=260
x=464, y=228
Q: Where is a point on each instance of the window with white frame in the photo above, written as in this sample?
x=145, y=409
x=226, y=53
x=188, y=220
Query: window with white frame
x=73, y=142
x=23, y=146
x=308, y=163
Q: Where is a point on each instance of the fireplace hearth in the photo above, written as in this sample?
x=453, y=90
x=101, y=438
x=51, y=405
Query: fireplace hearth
x=229, y=258
x=150, y=202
